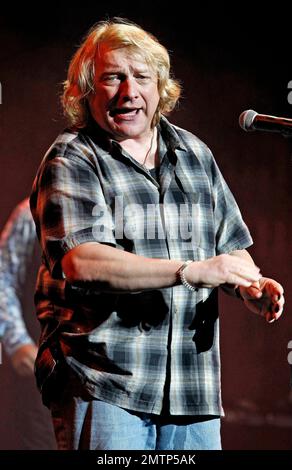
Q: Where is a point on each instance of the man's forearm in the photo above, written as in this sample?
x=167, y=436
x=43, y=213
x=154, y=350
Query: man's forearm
x=112, y=269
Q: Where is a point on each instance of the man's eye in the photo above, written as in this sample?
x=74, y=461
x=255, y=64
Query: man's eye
x=143, y=79
x=110, y=78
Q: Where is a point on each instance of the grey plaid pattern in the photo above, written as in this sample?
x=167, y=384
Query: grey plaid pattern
x=134, y=350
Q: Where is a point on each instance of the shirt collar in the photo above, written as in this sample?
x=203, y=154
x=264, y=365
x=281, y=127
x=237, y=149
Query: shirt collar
x=167, y=131
x=170, y=136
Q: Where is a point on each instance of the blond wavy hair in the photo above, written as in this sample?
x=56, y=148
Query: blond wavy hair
x=116, y=33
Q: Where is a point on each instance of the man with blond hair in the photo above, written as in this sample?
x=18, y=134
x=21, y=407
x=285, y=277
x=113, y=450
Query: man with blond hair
x=138, y=230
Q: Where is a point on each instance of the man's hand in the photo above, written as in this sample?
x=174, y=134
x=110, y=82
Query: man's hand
x=23, y=359
x=264, y=298
x=223, y=269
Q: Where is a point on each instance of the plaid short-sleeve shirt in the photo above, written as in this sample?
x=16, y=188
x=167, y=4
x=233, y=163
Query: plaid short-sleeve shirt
x=134, y=350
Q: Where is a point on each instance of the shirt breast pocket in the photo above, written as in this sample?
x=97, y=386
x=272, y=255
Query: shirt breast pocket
x=196, y=223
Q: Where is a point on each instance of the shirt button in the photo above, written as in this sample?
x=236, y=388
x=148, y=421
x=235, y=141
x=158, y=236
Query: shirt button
x=145, y=328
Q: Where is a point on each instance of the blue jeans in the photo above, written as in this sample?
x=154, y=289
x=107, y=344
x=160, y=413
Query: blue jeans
x=96, y=425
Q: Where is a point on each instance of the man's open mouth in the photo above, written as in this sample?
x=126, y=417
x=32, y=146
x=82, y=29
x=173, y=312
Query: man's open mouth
x=125, y=111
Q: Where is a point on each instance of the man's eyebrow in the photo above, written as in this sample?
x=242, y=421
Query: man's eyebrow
x=108, y=72
x=113, y=69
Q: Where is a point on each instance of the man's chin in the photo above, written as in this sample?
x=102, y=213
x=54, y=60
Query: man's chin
x=128, y=131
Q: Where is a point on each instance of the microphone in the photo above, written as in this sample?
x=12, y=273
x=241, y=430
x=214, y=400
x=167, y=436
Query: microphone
x=251, y=121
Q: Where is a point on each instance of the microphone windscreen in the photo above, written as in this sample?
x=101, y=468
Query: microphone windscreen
x=246, y=119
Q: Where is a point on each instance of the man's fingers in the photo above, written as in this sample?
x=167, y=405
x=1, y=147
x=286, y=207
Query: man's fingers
x=274, y=315
x=273, y=288
x=253, y=292
x=247, y=271
x=245, y=280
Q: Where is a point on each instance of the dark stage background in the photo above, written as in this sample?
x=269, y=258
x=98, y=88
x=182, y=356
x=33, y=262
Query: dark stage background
x=228, y=60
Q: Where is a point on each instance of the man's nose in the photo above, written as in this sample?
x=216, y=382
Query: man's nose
x=128, y=89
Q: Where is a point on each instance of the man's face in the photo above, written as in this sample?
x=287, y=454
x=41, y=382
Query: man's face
x=126, y=94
